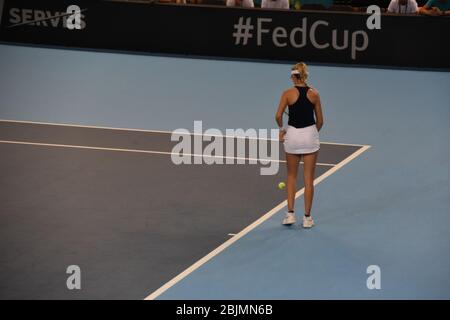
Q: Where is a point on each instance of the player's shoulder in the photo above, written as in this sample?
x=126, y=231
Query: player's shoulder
x=313, y=92
x=288, y=91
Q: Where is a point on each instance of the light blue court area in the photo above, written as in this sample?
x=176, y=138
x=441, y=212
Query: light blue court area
x=389, y=207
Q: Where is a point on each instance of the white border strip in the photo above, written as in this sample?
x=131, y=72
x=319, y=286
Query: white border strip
x=152, y=131
x=148, y=152
x=249, y=228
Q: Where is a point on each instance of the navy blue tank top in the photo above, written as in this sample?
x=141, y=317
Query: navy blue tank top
x=301, y=113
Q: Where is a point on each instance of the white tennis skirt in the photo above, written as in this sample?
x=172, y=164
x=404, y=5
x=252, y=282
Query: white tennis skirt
x=301, y=140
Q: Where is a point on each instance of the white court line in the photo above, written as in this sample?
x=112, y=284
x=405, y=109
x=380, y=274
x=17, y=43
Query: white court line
x=148, y=152
x=155, y=131
x=249, y=228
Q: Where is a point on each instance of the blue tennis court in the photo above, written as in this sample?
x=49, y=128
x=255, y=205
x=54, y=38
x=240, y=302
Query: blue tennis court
x=87, y=121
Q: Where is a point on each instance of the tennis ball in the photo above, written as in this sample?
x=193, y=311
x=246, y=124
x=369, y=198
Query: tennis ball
x=281, y=185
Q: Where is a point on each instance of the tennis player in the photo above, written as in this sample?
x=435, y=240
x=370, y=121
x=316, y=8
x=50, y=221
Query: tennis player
x=300, y=138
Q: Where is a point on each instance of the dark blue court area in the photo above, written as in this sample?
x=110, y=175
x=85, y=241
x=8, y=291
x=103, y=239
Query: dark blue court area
x=113, y=202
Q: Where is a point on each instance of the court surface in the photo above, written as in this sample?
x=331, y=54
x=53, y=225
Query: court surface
x=114, y=201
x=78, y=190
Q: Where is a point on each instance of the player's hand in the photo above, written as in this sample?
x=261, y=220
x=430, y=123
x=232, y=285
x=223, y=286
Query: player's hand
x=281, y=135
x=436, y=11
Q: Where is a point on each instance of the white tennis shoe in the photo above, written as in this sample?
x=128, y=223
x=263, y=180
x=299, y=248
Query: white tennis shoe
x=308, y=222
x=289, y=219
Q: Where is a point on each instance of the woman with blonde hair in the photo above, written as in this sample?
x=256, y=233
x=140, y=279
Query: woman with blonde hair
x=300, y=138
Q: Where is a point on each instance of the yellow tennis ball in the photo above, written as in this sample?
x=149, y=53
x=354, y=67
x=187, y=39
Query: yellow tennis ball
x=281, y=185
